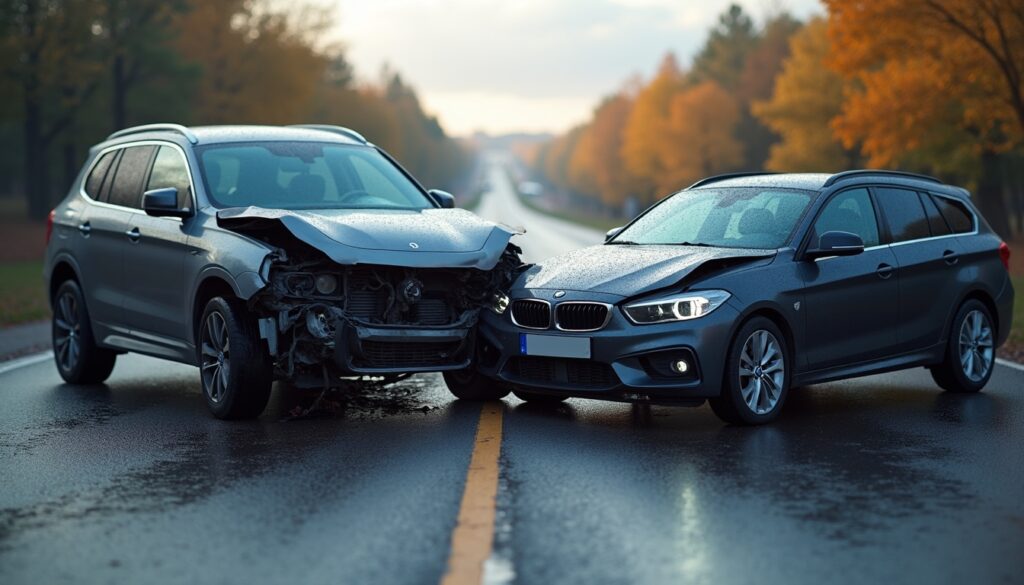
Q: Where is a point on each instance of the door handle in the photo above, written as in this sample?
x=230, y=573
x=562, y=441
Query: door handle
x=85, y=229
x=950, y=257
x=884, y=271
x=133, y=234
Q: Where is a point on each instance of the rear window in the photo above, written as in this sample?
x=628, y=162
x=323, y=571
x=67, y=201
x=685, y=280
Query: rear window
x=306, y=175
x=94, y=182
x=903, y=213
x=959, y=219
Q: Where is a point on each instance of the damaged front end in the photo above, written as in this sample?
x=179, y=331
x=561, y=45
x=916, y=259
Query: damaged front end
x=323, y=319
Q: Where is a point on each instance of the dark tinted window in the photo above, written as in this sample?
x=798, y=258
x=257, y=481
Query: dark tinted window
x=935, y=221
x=94, y=182
x=169, y=171
x=903, y=214
x=131, y=172
x=850, y=211
x=956, y=214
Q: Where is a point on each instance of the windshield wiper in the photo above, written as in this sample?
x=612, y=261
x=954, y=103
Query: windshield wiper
x=696, y=244
x=623, y=243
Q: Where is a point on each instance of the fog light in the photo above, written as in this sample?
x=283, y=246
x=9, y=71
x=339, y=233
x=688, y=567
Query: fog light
x=680, y=366
x=326, y=283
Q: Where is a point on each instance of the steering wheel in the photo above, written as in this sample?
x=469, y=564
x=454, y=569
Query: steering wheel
x=344, y=197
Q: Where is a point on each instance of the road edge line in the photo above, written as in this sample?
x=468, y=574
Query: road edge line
x=473, y=537
x=1009, y=364
x=22, y=362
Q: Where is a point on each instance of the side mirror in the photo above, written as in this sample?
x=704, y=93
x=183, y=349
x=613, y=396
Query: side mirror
x=443, y=198
x=163, y=203
x=836, y=244
x=613, y=232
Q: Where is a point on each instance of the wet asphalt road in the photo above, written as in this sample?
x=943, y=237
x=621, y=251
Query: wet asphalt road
x=880, y=480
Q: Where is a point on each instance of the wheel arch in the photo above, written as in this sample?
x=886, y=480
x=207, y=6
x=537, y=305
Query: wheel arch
x=214, y=282
x=64, y=268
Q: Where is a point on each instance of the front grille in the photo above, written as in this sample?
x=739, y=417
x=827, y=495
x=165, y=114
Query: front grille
x=572, y=316
x=531, y=313
x=561, y=372
x=431, y=312
x=386, y=354
x=365, y=304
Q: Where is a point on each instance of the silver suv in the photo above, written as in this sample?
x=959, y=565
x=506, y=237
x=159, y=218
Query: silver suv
x=298, y=253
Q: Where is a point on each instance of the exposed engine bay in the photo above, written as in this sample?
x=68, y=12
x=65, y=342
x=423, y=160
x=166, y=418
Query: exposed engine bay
x=373, y=320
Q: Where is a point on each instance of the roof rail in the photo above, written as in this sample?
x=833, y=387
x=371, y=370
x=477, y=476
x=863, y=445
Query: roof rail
x=178, y=128
x=346, y=132
x=867, y=172
x=717, y=178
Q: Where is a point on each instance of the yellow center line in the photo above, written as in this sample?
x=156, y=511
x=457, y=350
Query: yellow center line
x=474, y=532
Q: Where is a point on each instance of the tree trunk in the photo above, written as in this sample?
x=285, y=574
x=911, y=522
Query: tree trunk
x=120, y=89
x=36, y=196
x=990, y=198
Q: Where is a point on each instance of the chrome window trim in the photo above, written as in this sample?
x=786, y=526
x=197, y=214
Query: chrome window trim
x=607, y=317
x=512, y=314
x=151, y=142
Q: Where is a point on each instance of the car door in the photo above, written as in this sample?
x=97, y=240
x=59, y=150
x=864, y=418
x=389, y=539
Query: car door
x=99, y=250
x=155, y=300
x=928, y=261
x=850, y=302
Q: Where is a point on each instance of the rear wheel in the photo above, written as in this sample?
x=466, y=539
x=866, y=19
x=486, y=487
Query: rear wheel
x=539, y=398
x=756, y=375
x=235, y=371
x=472, y=385
x=79, y=360
x=970, y=351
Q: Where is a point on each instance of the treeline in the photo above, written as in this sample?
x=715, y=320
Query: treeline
x=933, y=86
x=75, y=70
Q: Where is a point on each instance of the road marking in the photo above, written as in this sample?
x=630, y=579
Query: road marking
x=25, y=361
x=1009, y=364
x=474, y=533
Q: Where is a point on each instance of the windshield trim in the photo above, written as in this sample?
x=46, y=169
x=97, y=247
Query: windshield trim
x=787, y=243
x=200, y=149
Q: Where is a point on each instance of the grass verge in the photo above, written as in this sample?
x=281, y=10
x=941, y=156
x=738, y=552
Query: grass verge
x=22, y=297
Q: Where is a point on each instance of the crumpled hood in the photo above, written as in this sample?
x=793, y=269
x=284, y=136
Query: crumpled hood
x=625, y=270
x=425, y=238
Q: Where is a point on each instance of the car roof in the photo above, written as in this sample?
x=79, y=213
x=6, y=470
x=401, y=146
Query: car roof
x=202, y=135
x=822, y=181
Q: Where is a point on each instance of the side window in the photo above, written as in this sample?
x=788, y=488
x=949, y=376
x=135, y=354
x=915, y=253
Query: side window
x=959, y=219
x=903, y=213
x=850, y=211
x=131, y=172
x=169, y=170
x=94, y=182
x=935, y=222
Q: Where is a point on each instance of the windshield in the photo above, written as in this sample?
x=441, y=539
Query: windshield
x=747, y=217
x=305, y=175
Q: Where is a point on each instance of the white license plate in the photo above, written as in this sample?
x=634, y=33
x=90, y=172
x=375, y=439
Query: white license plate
x=554, y=346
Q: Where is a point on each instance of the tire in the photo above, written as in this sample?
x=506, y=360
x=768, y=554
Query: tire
x=471, y=385
x=970, y=350
x=79, y=360
x=235, y=371
x=771, y=360
x=538, y=398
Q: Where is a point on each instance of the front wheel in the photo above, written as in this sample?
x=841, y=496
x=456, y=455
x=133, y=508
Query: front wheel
x=235, y=371
x=79, y=360
x=970, y=351
x=472, y=385
x=756, y=375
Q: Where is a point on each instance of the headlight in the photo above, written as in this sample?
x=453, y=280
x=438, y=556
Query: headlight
x=681, y=307
x=499, y=303
x=326, y=284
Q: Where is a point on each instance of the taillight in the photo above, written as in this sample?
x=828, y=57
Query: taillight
x=49, y=225
x=1004, y=254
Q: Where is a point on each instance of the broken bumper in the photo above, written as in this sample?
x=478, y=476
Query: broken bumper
x=375, y=349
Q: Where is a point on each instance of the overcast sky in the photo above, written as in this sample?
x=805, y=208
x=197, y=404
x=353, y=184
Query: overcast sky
x=527, y=65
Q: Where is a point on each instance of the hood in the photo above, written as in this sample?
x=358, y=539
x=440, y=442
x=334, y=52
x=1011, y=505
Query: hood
x=414, y=238
x=628, y=270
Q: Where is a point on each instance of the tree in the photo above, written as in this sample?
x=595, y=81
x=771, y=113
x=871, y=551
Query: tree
x=702, y=120
x=807, y=96
x=724, y=55
x=647, y=134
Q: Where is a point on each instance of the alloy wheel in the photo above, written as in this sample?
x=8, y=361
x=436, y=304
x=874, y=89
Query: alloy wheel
x=215, y=367
x=68, y=334
x=762, y=371
x=976, y=346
